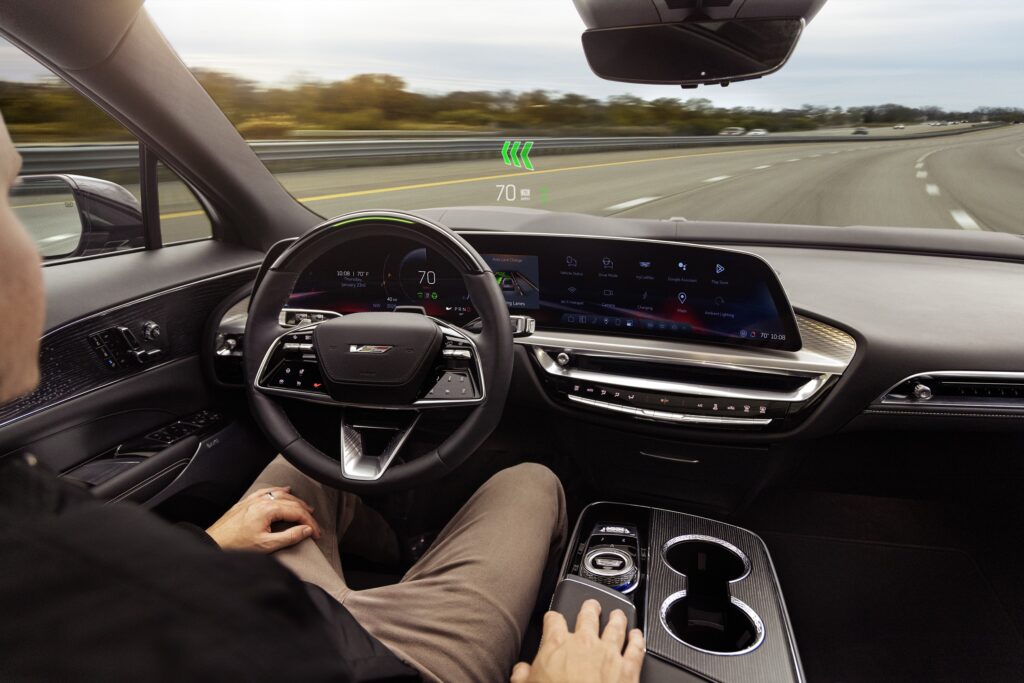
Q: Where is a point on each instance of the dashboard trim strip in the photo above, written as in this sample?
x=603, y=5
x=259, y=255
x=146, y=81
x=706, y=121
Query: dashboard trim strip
x=805, y=392
x=674, y=418
x=809, y=360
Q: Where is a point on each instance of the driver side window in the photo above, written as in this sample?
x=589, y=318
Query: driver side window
x=80, y=191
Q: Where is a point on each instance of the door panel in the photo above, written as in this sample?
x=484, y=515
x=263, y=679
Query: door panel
x=120, y=362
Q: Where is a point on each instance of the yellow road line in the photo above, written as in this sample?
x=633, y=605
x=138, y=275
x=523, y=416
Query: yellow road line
x=181, y=214
x=34, y=206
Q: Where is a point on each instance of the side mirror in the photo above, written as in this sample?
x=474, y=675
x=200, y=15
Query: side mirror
x=71, y=216
x=692, y=42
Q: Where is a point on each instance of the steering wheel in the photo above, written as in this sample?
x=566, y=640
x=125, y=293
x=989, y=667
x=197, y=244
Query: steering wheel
x=382, y=370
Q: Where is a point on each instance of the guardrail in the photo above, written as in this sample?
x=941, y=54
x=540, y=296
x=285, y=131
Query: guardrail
x=88, y=158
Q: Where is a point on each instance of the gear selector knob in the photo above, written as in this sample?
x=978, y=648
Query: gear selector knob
x=610, y=566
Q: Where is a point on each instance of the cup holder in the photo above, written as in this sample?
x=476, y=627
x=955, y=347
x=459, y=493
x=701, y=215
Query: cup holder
x=705, y=616
x=709, y=626
x=705, y=557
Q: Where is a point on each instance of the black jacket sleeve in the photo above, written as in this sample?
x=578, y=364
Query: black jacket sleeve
x=99, y=592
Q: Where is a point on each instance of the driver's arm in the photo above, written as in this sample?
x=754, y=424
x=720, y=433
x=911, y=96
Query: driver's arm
x=247, y=525
x=585, y=655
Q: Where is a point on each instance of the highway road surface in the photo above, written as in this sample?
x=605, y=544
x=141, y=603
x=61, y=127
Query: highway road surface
x=967, y=182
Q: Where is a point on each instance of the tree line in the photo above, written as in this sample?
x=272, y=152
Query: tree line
x=51, y=111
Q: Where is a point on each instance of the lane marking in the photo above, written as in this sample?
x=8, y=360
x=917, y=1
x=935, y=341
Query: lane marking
x=924, y=158
x=58, y=238
x=921, y=175
x=933, y=190
x=793, y=161
x=761, y=168
x=815, y=156
x=964, y=220
x=630, y=204
x=718, y=179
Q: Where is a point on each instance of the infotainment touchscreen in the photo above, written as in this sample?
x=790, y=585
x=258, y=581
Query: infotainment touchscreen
x=641, y=288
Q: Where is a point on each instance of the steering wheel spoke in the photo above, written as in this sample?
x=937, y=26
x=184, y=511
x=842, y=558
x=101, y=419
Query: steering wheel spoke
x=371, y=442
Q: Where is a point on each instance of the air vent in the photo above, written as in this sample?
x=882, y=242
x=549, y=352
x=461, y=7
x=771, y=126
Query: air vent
x=960, y=390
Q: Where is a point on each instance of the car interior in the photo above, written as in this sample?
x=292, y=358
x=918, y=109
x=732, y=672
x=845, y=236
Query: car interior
x=790, y=452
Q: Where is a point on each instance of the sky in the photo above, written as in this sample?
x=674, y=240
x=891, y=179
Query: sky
x=958, y=54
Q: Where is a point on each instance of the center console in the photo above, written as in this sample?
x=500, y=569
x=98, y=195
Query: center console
x=704, y=593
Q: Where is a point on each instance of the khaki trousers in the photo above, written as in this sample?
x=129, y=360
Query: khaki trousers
x=459, y=614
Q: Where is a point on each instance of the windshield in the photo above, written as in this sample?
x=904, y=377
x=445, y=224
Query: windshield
x=887, y=114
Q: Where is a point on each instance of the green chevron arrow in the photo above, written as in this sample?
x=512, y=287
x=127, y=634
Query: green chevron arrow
x=515, y=154
x=527, y=164
x=504, y=152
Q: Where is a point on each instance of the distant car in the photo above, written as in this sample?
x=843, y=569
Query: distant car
x=861, y=131
x=899, y=126
x=735, y=130
x=757, y=132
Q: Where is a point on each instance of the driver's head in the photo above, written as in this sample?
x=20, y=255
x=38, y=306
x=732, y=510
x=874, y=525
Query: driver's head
x=21, y=288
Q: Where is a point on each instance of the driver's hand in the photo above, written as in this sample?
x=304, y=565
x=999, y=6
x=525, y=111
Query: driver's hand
x=246, y=526
x=584, y=656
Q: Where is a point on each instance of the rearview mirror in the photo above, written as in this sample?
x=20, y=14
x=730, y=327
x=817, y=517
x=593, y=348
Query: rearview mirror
x=70, y=216
x=692, y=42
x=692, y=53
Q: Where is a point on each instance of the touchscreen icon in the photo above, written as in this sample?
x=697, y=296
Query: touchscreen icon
x=645, y=264
x=571, y=262
x=607, y=263
x=682, y=297
x=681, y=265
x=719, y=269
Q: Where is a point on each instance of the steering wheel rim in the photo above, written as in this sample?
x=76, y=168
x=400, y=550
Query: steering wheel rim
x=492, y=346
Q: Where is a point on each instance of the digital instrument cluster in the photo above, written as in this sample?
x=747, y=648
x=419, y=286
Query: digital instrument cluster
x=615, y=286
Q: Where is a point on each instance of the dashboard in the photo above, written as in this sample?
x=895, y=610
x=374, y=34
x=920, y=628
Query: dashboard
x=873, y=345
x=634, y=288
